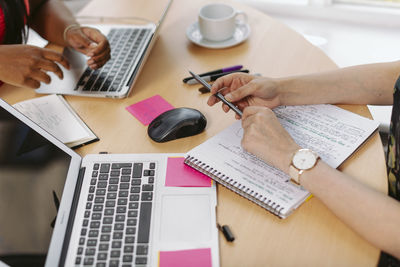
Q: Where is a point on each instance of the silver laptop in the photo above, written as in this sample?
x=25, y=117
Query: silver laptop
x=113, y=209
x=130, y=47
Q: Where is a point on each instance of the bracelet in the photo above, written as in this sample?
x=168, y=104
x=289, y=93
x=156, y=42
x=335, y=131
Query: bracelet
x=69, y=27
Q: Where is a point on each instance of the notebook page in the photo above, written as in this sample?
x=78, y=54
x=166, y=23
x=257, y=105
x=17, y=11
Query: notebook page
x=332, y=132
x=51, y=113
x=224, y=153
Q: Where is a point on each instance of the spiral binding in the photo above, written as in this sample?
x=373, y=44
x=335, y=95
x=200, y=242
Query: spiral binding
x=234, y=186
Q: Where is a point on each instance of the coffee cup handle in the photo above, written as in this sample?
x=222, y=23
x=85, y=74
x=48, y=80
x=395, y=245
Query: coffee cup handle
x=244, y=15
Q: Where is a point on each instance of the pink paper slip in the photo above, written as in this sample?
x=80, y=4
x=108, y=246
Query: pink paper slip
x=146, y=110
x=179, y=174
x=186, y=258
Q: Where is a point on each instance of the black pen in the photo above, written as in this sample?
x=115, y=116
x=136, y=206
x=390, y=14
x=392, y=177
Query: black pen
x=227, y=69
x=210, y=78
x=218, y=94
x=226, y=231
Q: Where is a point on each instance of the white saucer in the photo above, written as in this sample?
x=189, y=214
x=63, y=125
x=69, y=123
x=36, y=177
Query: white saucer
x=242, y=32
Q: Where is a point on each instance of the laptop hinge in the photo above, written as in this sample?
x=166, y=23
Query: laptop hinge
x=71, y=218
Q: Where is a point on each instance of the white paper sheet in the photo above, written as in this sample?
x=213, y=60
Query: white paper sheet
x=54, y=115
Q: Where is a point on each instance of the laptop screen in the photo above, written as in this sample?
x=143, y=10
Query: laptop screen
x=32, y=176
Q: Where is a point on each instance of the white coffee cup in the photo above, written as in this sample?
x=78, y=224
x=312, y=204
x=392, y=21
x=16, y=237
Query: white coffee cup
x=217, y=22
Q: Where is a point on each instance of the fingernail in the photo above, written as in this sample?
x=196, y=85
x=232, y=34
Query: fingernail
x=91, y=61
x=93, y=45
x=228, y=97
x=90, y=54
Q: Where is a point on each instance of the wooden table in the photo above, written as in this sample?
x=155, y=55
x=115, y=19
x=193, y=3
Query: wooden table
x=312, y=235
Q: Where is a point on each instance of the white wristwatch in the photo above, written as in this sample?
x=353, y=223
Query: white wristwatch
x=302, y=160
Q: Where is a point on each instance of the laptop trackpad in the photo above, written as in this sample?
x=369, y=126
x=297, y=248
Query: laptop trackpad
x=76, y=59
x=185, y=218
x=78, y=65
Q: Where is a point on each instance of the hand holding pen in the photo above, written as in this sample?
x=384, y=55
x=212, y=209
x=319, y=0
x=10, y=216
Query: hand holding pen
x=246, y=90
x=218, y=94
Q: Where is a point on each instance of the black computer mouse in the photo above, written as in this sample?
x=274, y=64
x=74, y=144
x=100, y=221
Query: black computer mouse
x=176, y=123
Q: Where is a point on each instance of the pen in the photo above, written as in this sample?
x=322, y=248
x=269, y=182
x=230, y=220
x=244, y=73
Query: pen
x=226, y=231
x=227, y=69
x=210, y=78
x=218, y=94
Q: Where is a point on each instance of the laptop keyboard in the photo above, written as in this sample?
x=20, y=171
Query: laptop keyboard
x=116, y=226
x=126, y=45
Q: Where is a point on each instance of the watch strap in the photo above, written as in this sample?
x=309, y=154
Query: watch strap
x=295, y=173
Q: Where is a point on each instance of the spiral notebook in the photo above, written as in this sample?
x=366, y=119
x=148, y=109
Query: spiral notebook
x=332, y=132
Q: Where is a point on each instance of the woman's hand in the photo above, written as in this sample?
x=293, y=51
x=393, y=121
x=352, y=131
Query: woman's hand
x=246, y=90
x=26, y=65
x=265, y=137
x=90, y=42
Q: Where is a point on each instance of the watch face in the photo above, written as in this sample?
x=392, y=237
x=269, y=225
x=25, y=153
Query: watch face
x=304, y=159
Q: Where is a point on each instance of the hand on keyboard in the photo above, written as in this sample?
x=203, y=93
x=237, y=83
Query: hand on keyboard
x=90, y=42
x=127, y=45
x=27, y=65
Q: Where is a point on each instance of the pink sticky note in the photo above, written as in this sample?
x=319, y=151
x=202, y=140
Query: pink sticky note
x=146, y=110
x=179, y=174
x=186, y=258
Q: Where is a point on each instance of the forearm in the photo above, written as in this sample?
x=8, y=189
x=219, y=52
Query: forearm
x=371, y=214
x=363, y=84
x=50, y=18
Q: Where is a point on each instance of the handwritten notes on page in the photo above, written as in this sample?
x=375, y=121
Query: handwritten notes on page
x=147, y=110
x=332, y=132
x=179, y=174
x=186, y=258
x=56, y=116
x=224, y=154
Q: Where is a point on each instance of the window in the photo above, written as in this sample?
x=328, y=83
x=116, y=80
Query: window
x=382, y=3
x=369, y=12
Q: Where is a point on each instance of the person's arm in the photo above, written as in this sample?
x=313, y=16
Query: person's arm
x=50, y=18
x=363, y=84
x=373, y=215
